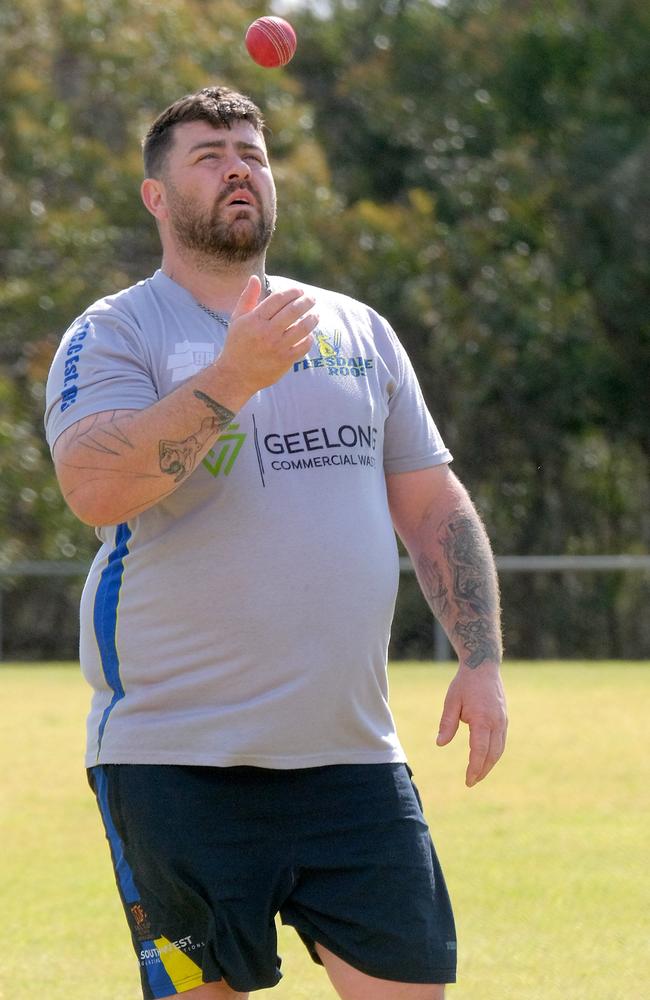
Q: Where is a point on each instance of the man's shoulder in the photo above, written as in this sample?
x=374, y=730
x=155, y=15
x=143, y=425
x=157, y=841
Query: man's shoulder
x=339, y=300
x=122, y=313
x=126, y=300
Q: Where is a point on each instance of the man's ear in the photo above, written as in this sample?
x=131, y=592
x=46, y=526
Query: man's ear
x=152, y=192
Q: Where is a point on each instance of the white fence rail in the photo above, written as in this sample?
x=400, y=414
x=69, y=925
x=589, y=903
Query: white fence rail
x=442, y=649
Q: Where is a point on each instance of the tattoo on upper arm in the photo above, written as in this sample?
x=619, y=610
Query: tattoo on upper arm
x=474, y=588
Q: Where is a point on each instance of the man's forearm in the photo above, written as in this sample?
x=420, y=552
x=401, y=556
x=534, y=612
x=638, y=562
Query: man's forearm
x=113, y=465
x=116, y=465
x=458, y=578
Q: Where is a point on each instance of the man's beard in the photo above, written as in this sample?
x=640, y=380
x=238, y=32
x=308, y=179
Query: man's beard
x=234, y=242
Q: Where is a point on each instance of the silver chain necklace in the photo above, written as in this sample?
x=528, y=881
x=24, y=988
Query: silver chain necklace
x=221, y=317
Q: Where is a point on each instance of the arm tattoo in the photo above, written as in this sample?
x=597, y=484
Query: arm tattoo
x=479, y=640
x=433, y=586
x=102, y=434
x=472, y=611
x=105, y=434
x=464, y=547
x=178, y=458
x=223, y=415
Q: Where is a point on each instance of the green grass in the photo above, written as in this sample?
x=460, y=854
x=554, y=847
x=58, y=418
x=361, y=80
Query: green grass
x=546, y=860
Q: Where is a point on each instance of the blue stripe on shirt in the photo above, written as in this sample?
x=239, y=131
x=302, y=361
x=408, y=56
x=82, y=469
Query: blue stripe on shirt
x=107, y=600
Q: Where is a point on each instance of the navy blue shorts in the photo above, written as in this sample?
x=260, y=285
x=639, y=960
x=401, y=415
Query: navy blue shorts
x=206, y=857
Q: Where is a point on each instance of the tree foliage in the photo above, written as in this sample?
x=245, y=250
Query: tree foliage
x=477, y=170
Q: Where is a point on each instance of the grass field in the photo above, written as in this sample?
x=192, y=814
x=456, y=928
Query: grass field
x=547, y=860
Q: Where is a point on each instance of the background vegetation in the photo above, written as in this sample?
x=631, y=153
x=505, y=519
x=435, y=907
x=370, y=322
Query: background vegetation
x=477, y=170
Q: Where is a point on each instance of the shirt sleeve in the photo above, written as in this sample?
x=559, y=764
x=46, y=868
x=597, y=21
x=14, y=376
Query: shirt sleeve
x=411, y=439
x=99, y=365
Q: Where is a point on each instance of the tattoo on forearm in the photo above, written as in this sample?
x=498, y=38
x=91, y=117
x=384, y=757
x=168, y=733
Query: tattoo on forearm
x=222, y=414
x=464, y=547
x=470, y=612
x=479, y=640
x=474, y=587
x=106, y=435
x=178, y=458
x=433, y=586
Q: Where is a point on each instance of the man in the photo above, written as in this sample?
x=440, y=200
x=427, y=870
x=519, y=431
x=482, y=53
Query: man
x=245, y=446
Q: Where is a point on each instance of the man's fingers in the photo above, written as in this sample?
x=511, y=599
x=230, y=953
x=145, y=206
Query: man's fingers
x=476, y=698
x=291, y=303
x=300, y=348
x=301, y=328
x=248, y=298
x=449, y=721
x=486, y=746
x=479, y=746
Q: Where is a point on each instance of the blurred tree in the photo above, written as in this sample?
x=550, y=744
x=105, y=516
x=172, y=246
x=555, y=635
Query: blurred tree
x=503, y=145
x=477, y=170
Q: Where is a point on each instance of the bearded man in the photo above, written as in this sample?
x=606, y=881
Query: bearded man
x=246, y=447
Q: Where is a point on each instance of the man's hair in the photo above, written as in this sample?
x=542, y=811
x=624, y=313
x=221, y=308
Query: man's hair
x=219, y=106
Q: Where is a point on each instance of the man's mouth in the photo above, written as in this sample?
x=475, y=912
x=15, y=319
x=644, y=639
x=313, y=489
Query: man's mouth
x=241, y=198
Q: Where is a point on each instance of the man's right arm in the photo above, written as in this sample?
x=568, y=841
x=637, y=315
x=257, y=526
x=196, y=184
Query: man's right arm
x=116, y=464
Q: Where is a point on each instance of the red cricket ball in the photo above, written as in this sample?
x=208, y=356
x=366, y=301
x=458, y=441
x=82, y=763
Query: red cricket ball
x=271, y=41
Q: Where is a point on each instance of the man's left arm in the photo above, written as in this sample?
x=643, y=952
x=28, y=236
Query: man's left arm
x=445, y=538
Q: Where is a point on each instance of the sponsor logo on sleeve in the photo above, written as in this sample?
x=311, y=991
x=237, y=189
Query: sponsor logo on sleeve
x=70, y=388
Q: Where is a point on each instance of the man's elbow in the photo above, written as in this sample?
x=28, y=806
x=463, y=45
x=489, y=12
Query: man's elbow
x=92, y=503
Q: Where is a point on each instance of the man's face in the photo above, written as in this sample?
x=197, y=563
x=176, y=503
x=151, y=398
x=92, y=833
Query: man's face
x=219, y=189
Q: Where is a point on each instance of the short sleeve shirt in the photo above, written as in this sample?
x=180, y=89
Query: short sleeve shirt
x=245, y=618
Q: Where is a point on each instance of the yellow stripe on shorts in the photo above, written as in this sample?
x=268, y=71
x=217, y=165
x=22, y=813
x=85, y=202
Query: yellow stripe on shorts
x=183, y=972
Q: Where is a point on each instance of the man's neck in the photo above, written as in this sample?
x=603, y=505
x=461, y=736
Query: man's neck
x=213, y=283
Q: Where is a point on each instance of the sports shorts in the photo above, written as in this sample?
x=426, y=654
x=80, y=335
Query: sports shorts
x=205, y=857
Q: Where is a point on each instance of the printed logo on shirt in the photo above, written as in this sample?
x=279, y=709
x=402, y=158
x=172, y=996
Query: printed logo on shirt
x=189, y=358
x=332, y=359
x=222, y=457
x=70, y=389
x=345, y=445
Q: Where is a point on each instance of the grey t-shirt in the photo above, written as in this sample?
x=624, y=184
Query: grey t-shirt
x=245, y=618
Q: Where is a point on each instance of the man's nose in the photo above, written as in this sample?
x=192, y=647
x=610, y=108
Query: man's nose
x=236, y=168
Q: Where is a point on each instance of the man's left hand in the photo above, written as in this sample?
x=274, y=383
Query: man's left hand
x=476, y=697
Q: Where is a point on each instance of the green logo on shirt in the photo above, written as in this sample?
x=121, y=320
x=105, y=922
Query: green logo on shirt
x=222, y=457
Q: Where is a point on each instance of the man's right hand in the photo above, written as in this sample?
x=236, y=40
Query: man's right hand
x=266, y=338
